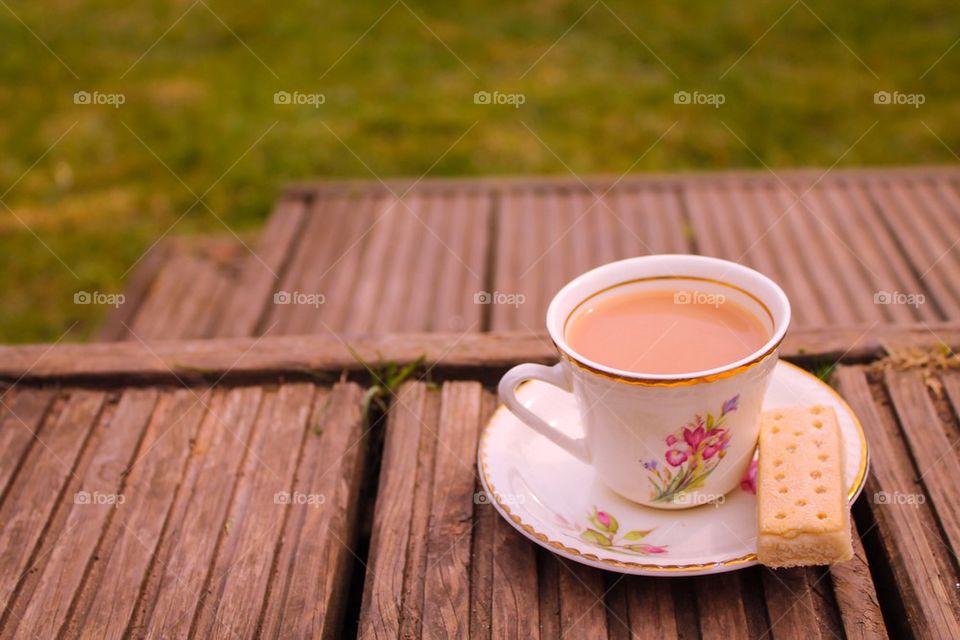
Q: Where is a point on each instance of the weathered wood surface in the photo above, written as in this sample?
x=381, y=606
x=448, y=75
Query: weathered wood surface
x=237, y=511
x=850, y=247
x=238, y=358
x=179, y=512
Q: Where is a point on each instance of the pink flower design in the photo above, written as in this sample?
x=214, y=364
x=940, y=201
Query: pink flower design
x=693, y=452
x=694, y=437
x=604, y=518
x=749, y=481
x=676, y=458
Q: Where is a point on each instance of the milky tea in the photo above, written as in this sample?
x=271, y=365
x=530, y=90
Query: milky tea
x=664, y=330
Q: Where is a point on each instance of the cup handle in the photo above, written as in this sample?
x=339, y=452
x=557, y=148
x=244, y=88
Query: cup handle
x=554, y=375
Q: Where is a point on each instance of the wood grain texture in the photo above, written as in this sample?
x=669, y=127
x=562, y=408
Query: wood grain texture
x=21, y=415
x=105, y=603
x=856, y=595
x=237, y=584
x=449, y=539
x=38, y=489
x=93, y=498
x=308, y=586
x=924, y=575
x=169, y=598
x=391, y=597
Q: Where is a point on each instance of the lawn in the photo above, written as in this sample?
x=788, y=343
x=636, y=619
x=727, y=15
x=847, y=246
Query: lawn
x=200, y=145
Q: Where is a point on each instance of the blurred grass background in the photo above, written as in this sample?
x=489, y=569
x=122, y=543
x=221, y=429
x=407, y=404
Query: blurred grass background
x=90, y=187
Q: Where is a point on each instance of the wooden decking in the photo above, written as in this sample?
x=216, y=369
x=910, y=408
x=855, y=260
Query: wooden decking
x=136, y=502
x=212, y=467
x=411, y=257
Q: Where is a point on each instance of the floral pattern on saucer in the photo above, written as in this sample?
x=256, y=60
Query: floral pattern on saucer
x=693, y=452
x=602, y=534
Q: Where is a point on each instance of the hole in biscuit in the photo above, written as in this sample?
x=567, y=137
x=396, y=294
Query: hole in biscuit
x=815, y=474
x=783, y=490
x=801, y=503
x=821, y=489
x=791, y=447
x=818, y=424
x=780, y=516
x=777, y=416
x=798, y=433
x=823, y=457
x=775, y=429
x=777, y=463
x=779, y=476
x=821, y=516
x=816, y=410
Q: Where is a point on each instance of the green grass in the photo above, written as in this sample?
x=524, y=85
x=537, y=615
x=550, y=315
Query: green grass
x=200, y=100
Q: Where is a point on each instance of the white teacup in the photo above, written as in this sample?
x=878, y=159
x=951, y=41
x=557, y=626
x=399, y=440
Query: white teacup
x=667, y=441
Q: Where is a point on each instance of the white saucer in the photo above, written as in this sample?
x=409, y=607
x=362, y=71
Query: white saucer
x=556, y=500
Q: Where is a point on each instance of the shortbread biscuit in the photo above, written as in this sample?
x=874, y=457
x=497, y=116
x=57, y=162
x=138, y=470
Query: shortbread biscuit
x=802, y=511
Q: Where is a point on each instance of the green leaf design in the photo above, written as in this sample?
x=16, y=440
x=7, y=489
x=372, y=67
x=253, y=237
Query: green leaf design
x=595, y=537
x=709, y=421
x=637, y=534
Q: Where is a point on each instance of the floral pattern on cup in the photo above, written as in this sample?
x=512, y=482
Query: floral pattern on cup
x=693, y=452
x=602, y=533
x=749, y=481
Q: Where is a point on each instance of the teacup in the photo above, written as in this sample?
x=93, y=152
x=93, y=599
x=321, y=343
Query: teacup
x=670, y=441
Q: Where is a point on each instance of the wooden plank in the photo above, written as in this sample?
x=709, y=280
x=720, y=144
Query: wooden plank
x=330, y=232
x=720, y=595
x=93, y=498
x=393, y=592
x=923, y=245
x=933, y=453
x=106, y=600
x=449, y=537
x=309, y=585
x=481, y=555
x=924, y=576
x=196, y=521
x=877, y=247
x=582, y=609
x=793, y=608
x=136, y=290
x=232, y=600
x=36, y=490
x=857, y=596
x=339, y=279
x=650, y=607
x=262, y=270
x=516, y=614
x=267, y=358
x=23, y=415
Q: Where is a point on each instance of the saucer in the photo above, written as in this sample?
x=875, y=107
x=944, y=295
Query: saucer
x=559, y=503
